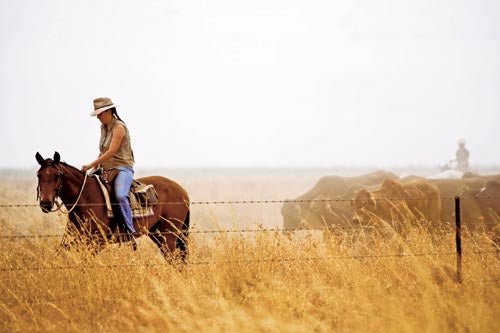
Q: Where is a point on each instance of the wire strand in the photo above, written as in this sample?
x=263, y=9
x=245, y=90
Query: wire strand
x=234, y=202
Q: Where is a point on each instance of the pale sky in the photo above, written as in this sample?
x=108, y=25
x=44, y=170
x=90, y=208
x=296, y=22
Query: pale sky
x=253, y=83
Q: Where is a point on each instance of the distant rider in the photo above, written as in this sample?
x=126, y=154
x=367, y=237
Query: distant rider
x=462, y=156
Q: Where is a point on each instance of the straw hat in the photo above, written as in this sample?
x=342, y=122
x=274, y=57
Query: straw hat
x=102, y=104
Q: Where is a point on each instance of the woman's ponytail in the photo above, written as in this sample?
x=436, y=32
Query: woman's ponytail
x=114, y=113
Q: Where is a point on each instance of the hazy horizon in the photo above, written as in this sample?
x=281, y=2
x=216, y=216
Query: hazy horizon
x=270, y=83
x=422, y=170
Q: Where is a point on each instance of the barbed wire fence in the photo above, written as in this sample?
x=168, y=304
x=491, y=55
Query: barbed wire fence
x=271, y=201
x=457, y=252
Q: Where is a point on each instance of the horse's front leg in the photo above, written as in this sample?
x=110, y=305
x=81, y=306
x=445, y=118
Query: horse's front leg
x=69, y=240
x=64, y=245
x=82, y=242
x=95, y=243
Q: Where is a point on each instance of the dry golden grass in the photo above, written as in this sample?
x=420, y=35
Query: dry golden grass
x=241, y=282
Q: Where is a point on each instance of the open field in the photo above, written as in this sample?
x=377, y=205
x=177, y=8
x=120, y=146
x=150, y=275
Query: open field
x=358, y=280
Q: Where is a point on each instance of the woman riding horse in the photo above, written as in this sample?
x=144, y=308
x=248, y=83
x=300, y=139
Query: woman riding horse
x=168, y=226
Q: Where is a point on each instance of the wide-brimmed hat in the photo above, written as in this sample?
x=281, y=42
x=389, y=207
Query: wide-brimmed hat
x=102, y=104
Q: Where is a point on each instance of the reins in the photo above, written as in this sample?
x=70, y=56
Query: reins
x=79, y=194
x=65, y=237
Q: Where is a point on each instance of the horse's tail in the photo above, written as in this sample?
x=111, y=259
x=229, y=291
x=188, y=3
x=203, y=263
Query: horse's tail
x=182, y=242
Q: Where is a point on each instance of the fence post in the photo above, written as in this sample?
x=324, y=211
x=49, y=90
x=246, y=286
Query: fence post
x=458, y=238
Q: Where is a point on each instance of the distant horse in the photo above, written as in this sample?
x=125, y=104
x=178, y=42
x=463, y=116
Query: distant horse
x=168, y=227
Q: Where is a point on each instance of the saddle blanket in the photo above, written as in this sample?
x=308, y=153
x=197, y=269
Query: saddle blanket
x=138, y=211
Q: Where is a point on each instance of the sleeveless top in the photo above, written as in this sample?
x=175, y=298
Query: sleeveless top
x=124, y=156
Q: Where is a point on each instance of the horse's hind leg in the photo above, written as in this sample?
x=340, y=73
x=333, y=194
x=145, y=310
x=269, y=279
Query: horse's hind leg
x=182, y=241
x=165, y=239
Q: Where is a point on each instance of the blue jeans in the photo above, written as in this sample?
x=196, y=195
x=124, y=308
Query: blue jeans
x=123, y=181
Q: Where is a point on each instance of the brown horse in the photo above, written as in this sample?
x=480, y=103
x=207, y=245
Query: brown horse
x=168, y=227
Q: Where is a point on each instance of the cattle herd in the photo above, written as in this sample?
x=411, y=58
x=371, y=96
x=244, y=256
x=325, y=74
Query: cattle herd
x=383, y=197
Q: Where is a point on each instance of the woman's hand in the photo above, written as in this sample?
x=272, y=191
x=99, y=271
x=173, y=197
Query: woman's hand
x=87, y=167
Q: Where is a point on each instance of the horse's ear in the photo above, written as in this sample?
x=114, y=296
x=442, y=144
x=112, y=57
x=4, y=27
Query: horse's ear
x=39, y=158
x=57, y=158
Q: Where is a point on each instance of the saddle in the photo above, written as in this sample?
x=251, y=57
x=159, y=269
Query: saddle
x=142, y=196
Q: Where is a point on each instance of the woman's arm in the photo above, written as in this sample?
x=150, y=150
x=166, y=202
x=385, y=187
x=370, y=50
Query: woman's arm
x=118, y=134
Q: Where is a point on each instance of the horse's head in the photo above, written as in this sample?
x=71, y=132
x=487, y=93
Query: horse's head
x=49, y=180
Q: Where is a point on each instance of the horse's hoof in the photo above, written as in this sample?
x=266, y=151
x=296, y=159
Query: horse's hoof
x=134, y=243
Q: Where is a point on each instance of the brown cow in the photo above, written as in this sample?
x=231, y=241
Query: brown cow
x=395, y=202
x=466, y=189
x=327, y=213
x=488, y=200
x=324, y=212
x=470, y=174
x=329, y=187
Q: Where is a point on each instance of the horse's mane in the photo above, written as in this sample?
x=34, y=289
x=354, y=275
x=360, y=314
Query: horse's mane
x=71, y=167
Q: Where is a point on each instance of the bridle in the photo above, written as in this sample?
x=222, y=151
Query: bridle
x=60, y=175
